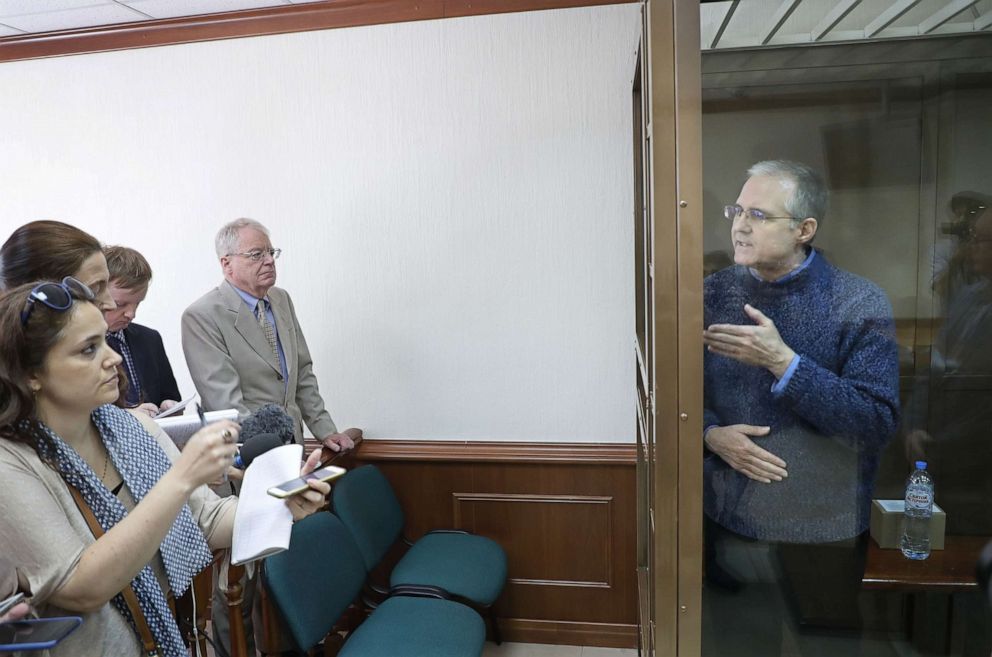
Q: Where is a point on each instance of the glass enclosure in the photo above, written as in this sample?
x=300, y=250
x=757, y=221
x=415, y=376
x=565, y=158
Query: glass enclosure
x=891, y=321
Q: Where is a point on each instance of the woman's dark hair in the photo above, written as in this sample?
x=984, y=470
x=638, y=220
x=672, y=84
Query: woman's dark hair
x=22, y=354
x=44, y=250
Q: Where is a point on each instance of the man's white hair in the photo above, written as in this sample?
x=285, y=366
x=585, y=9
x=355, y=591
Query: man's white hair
x=226, y=241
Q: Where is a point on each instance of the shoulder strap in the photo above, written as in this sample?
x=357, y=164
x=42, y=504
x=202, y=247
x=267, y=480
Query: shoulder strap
x=147, y=640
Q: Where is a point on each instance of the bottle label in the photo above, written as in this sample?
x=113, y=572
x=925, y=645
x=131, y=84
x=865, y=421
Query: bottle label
x=919, y=497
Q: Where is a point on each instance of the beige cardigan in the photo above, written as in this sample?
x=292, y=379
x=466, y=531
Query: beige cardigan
x=43, y=533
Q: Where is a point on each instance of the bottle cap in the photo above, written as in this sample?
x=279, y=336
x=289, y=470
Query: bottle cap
x=921, y=465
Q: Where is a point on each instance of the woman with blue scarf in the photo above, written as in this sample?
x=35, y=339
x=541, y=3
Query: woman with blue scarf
x=71, y=460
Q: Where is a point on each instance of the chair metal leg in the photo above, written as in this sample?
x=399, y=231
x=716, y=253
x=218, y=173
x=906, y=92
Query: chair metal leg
x=494, y=624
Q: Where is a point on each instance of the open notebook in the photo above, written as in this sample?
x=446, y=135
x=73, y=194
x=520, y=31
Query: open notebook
x=181, y=427
x=262, y=523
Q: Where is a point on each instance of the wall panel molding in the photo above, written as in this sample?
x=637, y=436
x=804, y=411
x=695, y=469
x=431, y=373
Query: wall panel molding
x=555, y=514
x=259, y=22
x=497, y=451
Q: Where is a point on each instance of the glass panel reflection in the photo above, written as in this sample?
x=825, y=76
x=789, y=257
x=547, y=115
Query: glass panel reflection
x=845, y=340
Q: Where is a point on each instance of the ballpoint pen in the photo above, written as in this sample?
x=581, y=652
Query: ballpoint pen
x=203, y=423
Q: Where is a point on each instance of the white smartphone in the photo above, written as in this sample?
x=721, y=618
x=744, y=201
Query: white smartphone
x=298, y=485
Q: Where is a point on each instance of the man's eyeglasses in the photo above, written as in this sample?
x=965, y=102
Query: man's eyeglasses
x=731, y=212
x=258, y=254
x=57, y=296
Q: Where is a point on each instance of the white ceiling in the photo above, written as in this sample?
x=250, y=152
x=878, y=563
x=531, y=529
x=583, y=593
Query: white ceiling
x=726, y=24
x=751, y=23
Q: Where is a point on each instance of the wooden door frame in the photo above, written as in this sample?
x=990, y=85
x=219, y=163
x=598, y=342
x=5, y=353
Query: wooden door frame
x=673, y=54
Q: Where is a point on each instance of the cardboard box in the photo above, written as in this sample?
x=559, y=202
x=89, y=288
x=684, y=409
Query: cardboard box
x=886, y=524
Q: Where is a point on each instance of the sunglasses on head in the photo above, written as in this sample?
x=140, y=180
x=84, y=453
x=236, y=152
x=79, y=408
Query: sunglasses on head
x=57, y=296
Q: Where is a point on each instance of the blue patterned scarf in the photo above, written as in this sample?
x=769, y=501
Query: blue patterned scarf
x=141, y=463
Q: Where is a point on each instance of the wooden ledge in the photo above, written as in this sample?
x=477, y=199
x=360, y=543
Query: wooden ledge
x=497, y=451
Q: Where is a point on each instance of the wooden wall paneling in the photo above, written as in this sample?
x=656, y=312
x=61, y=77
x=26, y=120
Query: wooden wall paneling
x=257, y=22
x=567, y=525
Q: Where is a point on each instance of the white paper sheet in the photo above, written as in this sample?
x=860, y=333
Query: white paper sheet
x=262, y=523
x=177, y=408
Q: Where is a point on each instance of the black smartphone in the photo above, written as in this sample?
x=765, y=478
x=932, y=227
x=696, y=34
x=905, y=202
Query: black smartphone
x=36, y=633
x=298, y=485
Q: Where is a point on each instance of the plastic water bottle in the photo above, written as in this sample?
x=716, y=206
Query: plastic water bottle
x=915, y=541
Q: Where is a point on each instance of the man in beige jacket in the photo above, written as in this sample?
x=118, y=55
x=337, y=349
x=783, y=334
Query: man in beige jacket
x=244, y=348
x=243, y=342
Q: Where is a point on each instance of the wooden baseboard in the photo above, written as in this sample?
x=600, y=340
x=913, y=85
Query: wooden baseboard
x=606, y=635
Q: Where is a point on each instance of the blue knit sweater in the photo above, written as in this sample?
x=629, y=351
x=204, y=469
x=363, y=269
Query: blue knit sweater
x=829, y=423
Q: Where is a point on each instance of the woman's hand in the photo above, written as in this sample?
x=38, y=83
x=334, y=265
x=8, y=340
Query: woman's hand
x=17, y=612
x=313, y=500
x=208, y=454
x=149, y=409
x=309, y=502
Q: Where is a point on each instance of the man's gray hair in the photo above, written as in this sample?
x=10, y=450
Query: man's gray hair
x=227, y=237
x=810, y=196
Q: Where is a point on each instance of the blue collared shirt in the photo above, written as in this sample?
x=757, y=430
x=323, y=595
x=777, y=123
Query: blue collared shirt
x=251, y=302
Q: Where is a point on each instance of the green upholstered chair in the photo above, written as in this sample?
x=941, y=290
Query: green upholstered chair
x=470, y=568
x=418, y=627
x=313, y=583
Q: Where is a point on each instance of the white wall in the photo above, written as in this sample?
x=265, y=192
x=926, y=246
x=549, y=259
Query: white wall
x=453, y=198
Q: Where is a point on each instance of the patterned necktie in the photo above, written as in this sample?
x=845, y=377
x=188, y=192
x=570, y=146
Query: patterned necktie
x=270, y=335
x=119, y=344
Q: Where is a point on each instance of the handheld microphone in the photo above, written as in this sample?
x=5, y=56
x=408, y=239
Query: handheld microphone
x=255, y=447
x=269, y=419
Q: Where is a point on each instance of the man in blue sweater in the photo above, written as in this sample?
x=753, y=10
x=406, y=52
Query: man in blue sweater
x=801, y=372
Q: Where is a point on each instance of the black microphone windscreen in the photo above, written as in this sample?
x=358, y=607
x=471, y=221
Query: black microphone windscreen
x=270, y=418
x=257, y=446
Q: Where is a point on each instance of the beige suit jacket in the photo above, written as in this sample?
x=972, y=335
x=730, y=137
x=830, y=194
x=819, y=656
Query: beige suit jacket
x=233, y=367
